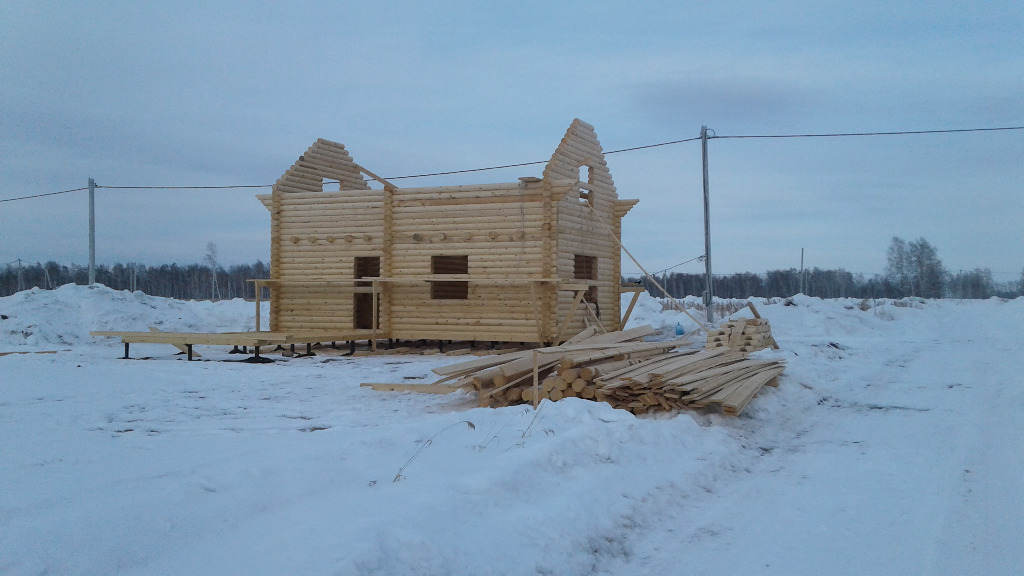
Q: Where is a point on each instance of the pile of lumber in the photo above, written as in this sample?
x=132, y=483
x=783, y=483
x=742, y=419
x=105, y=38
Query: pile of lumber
x=744, y=334
x=621, y=369
x=689, y=379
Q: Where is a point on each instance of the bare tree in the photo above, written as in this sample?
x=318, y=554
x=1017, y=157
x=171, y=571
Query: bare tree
x=897, y=269
x=927, y=270
x=211, y=261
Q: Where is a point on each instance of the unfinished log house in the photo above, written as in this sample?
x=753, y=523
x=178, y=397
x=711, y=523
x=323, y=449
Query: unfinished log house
x=530, y=261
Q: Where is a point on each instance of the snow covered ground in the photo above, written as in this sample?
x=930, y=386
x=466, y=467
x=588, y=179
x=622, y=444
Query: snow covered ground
x=893, y=445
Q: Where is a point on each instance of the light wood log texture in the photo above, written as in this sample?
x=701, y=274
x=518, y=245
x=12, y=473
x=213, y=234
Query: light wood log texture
x=736, y=401
x=618, y=372
x=333, y=166
x=356, y=198
x=582, y=336
x=528, y=228
x=574, y=358
x=715, y=390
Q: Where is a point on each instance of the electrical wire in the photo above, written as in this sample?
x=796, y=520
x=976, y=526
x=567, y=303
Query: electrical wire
x=701, y=258
x=521, y=164
x=41, y=195
x=843, y=134
x=186, y=187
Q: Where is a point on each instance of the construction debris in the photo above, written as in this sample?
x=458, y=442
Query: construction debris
x=621, y=369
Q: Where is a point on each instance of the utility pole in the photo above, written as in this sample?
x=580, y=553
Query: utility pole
x=92, y=231
x=21, y=277
x=709, y=286
x=802, y=271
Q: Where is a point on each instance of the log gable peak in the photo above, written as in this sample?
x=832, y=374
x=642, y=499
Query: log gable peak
x=324, y=160
x=579, y=156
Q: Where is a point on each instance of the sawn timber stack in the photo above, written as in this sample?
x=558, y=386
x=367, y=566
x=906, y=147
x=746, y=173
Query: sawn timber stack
x=622, y=370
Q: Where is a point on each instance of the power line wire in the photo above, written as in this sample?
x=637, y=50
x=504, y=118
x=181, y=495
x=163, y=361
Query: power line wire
x=521, y=164
x=535, y=162
x=185, y=187
x=701, y=258
x=900, y=133
x=41, y=195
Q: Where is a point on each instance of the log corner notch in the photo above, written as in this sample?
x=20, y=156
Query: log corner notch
x=526, y=261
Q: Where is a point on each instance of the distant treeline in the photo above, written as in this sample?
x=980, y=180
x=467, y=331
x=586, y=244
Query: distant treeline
x=829, y=284
x=912, y=269
x=193, y=282
x=188, y=282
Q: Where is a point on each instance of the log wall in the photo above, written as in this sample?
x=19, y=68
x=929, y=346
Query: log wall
x=500, y=230
x=520, y=241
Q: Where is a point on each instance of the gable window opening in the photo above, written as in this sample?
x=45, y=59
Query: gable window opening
x=449, y=289
x=585, y=268
x=329, y=185
x=586, y=195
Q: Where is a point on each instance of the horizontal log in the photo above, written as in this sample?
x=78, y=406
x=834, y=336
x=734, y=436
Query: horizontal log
x=285, y=187
x=334, y=195
x=456, y=230
x=400, y=320
x=330, y=146
x=364, y=205
x=325, y=233
x=301, y=178
x=301, y=238
x=463, y=334
x=467, y=201
x=340, y=215
x=583, y=149
x=323, y=171
x=297, y=221
x=334, y=164
x=471, y=249
x=503, y=188
x=468, y=216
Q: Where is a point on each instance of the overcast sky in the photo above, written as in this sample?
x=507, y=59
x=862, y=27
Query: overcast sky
x=208, y=93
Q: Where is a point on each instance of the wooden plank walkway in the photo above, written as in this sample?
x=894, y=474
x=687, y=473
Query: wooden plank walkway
x=255, y=340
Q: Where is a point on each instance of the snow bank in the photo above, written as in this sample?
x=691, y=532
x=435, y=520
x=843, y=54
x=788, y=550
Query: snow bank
x=65, y=316
x=896, y=430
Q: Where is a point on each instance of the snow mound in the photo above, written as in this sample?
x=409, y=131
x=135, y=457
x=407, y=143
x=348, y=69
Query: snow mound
x=65, y=316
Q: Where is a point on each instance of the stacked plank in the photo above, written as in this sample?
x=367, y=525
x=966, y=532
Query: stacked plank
x=743, y=335
x=621, y=369
x=689, y=379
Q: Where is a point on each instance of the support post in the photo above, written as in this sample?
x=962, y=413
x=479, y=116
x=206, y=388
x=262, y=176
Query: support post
x=802, y=271
x=259, y=288
x=709, y=290
x=536, y=379
x=92, y=231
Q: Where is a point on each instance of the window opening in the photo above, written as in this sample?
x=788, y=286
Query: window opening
x=585, y=268
x=362, y=301
x=449, y=289
x=586, y=196
x=330, y=185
